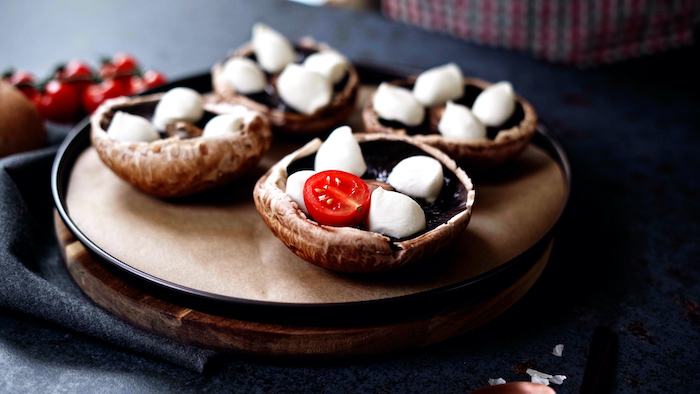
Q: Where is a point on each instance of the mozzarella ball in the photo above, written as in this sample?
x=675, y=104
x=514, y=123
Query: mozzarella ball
x=437, y=85
x=295, y=188
x=495, y=104
x=226, y=124
x=396, y=103
x=418, y=177
x=460, y=123
x=394, y=214
x=340, y=151
x=244, y=75
x=178, y=104
x=271, y=48
x=127, y=127
x=330, y=64
x=305, y=91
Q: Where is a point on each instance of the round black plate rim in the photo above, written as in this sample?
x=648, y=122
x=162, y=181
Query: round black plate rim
x=369, y=311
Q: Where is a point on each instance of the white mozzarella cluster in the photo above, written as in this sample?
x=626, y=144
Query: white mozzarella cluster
x=460, y=123
x=295, y=187
x=440, y=85
x=418, y=177
x=435, y=86
x=330, y=64
x=396, y=103
x=244, y=75
x=271, y=48
x=395, y=214
x=177, y=105
x=226, y=123
x=305, y=87
x=342, y=152
x=495, y=104
x=127, y=127
x=304, y=90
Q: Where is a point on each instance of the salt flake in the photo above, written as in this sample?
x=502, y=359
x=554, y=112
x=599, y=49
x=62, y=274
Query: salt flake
x=494, y=382
x=540, y=380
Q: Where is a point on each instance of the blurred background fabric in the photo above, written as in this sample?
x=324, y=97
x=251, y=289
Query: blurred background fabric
x=578, y=32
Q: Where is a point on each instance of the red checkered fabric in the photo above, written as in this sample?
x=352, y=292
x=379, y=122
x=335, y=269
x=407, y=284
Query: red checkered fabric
x=581, y=32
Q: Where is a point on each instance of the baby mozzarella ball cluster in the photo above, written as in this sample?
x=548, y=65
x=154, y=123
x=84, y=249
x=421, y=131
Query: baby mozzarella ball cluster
x=442, y=85
x=306, y=87
x=177, y=105
x=392, y=213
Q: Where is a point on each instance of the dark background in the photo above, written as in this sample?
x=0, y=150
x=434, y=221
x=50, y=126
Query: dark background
x=626, y=256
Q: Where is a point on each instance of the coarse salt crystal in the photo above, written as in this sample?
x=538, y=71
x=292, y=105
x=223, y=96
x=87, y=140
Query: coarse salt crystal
x=493, y=382
x=558, y=350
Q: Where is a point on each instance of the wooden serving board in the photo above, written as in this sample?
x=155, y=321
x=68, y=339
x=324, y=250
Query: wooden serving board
x=264, y=339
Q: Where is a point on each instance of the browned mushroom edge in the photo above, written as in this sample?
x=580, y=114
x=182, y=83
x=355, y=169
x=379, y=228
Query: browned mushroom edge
x=351, y=249
x=175, y=167
x=505, y=142
x=282, y=117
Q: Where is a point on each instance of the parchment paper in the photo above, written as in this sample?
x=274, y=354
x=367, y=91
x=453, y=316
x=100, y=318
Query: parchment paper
x=217, y=242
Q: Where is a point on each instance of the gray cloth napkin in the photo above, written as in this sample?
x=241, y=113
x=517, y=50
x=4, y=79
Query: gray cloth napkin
x=35, y=280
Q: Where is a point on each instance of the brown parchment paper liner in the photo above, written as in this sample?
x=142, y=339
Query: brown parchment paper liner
x=340, y=108
x=217, y=242
x=482, y=153
x=174, y=167
x=350, y=249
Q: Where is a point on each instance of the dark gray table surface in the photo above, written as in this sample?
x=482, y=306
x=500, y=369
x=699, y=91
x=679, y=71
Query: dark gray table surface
x=626, y=256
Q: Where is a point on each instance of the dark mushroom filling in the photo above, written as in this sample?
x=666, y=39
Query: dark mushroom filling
x=467, y=99
x=381, y=157
x=146, y=110
x=269, y=96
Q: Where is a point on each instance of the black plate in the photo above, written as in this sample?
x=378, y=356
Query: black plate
x=407, y=307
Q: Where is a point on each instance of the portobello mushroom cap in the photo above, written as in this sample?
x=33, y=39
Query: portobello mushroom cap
x=351, y=249
x=176, y=167
x=294, y=123
x=481, y=153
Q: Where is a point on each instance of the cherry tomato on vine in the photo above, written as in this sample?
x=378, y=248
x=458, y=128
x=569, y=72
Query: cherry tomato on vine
x=136, y=85
x=95, y=95
x=125, y=64
x=59, y=102
x=153, y=78
x=24, y=82
x=120, y=65
x=77, y=73
x=20, y=77
x=75, y=70
x=337, y=198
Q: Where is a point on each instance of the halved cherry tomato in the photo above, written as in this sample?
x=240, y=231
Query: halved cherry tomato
x=94, y=95
x=59, y=102
x=337, y=198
